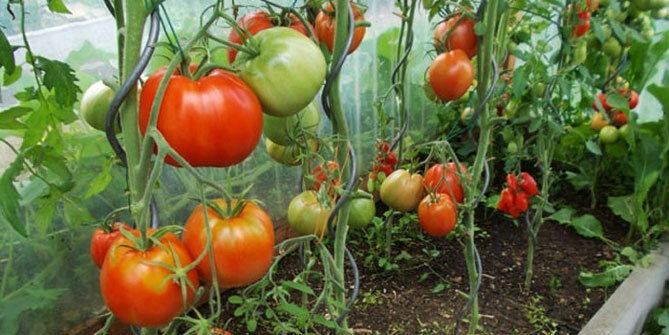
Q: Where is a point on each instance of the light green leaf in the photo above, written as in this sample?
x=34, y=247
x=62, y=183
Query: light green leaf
x=100, y=183
x=386, y=43
x=10, y=117
x=562, y=216
x=299, y=312
x=9, y=199
x=297, y=286
x=57, y=6
x=623, y=206
x=607, y=278
x=593, y=147
x=588, y=226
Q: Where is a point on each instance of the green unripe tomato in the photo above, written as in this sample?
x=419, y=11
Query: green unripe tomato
x=281, y=129
x=95, y=104
x=287, y=155
x=507, y=134
x=306, y=215
x=511, y=46
x=612, y=47
x=522, y=35
x=511, y=108
x=429, y=91
x=624, y=130
x=287, y=72
x=362, y=211
x=538, y=90
x=609, y=134
x=580, y=54
x=512, y=147
x=466, y=115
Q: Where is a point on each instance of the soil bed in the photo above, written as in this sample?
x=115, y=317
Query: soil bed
x=399, y=302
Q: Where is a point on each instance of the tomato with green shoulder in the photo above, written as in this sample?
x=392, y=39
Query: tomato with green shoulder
x=362, y=211
x=95, y=103
x=281, y=129
x=306, y=215
x=286, y=73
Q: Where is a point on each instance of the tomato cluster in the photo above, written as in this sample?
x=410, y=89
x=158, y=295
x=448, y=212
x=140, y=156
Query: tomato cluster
x=582, y=24
x=384, y=161
x=452, y=73
x=514, y=199
x=609, y=133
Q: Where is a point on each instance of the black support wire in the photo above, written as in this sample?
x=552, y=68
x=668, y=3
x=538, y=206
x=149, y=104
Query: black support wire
x=329, y=81
x=111, y=119
x=394, y=82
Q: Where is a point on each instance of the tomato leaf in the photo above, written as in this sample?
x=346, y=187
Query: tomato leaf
x=9, y=117
x=57, y=6
x=9, y=201
x=235, y=300
x=519, y=81
x=386, y=43
x=623, y=207
x=10, y=78
x=59, y=77
x=605, y=279
x=6, y=54
x=593, y=147
x=299, y=312
x=100, y=182
x=297, y=286
x=588, y=226
x=563, y=216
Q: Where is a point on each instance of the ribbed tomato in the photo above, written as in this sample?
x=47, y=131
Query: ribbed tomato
x=326, y=26
x=461, y=37
x=138, y=290
x=214, y=121
x=450, y=182
x=451, y=74
x=102, y=239
x=258, y=21
x=243, y=244
x=437, y=214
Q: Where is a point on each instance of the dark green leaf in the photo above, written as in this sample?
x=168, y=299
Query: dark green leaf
x=297, y=286
x=57, y=6
x=10, y=78
x=623, y=207
x=9, y=201
x=59, y=77
x=6, y=54
x=519, y=81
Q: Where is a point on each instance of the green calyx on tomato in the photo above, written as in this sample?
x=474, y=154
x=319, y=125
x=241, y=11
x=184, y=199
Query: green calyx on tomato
x=306, y=215
x=242, y=244
x=282, y=129
x=95, y=103
x=139, y=287
x=102, y=240
x=402, y=191
x=444, y=178
x=196, y=115
x=362, y=211
x=287, y=72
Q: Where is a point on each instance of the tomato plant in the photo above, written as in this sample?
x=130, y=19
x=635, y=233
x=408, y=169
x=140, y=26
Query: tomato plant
x=218, y=105
x=242, y=241
x=282, y=129
x=137, y=285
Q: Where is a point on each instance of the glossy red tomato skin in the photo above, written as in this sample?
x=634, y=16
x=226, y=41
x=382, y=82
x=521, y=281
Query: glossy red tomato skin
x=326, y=26
x=582, y=26
x=451, y=180
x=131, y=286
x=256, y=22
x=602, y=100
x=215, y=121
x=320, y=176
x=619, y=118
x=243, y=246
x=451, y=74
x=437, y=217
x=634, y=99
x=101, y=241
x=462, y=36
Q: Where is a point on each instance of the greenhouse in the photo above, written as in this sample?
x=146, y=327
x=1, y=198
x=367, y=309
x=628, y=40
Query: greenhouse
x=334, y=167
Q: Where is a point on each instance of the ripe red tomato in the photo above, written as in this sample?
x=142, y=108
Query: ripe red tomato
x=215, y=121
x=219, y=331
x=321, y=176
x=437, y=216
x=602, y=99
x=619, y=118
x=243, y=244
x=326, y=26
x=256, y=22
x=451, y=74
x=583, y=25
x=139, y=291
x=462, y=36
x=102, y=240
x=451, y=180
x=633, y=98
